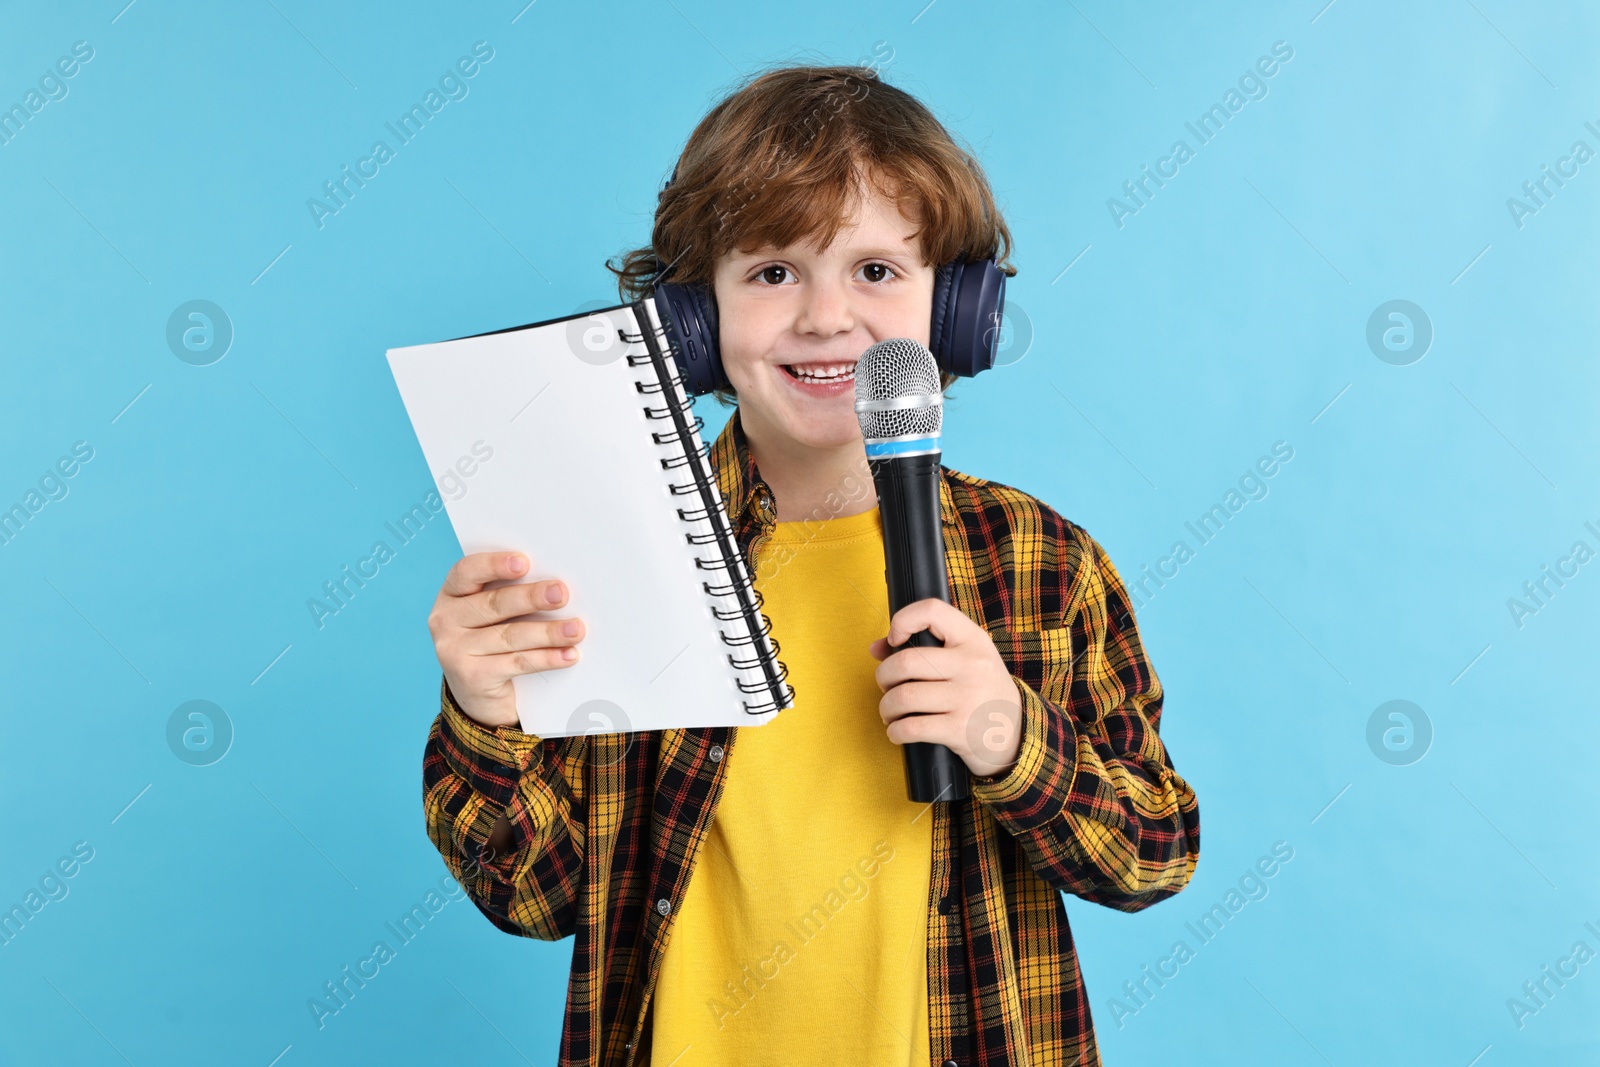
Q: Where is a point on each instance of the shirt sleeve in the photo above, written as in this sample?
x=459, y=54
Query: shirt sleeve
x=471, y=776
x=1093, y=797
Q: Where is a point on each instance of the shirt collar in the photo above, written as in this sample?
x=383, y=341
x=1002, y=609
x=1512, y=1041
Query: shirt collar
x=747, y=497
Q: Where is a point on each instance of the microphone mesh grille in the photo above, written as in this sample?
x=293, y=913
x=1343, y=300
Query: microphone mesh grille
x=899, y=367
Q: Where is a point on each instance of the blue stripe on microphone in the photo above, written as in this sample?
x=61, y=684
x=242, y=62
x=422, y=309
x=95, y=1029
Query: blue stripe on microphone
x=882, y=449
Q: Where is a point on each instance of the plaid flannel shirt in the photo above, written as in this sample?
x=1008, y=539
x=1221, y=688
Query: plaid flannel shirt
x=606, y=828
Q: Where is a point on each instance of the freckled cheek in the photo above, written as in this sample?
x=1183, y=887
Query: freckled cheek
x=741, y=361
x=745, y=346
x=911, y=319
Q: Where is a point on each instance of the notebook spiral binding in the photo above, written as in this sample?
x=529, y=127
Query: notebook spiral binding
x=736, y=600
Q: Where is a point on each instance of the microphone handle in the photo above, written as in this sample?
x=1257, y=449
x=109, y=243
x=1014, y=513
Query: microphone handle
x=914, y=569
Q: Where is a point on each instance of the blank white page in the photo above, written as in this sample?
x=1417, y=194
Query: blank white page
x=575, y=482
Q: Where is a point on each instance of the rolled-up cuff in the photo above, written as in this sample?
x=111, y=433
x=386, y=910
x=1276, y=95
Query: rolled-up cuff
x=495, y=763
x=489, y=759
x=1035, y=789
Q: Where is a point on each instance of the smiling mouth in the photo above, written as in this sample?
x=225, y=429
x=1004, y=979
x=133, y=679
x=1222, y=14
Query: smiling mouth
x=821, y=372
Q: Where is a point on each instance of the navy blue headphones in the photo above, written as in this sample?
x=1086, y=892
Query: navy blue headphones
x=969, y=297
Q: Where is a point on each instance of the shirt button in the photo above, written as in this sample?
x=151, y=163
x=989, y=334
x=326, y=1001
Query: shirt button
x=764, y=501
x=951, y=1063
x=716, y=753
x=663, y=906
x=944, y=906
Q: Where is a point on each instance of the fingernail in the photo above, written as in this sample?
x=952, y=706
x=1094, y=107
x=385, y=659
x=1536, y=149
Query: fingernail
x=518, y=564
x=570, y=628
x=569, y=654
x=554, y=593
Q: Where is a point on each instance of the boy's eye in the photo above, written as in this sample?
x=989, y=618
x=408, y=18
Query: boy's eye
x=774, y=275
x=877, y=272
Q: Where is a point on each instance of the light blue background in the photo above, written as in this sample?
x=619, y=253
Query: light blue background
x=1227, y=315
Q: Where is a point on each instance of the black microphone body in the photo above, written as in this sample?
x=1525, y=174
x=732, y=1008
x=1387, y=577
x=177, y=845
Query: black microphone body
x=913, y=549
x=900, y=405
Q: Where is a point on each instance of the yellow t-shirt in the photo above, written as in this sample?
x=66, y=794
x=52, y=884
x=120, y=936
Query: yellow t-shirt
x=802, y=936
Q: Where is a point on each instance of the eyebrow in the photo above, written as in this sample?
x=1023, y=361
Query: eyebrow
x=874, y=252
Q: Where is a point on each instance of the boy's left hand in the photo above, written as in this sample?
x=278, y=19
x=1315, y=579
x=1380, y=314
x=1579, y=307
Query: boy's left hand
x=961, y=696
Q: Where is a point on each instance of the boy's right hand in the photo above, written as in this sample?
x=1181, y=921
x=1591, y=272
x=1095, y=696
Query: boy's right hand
x=480, y=650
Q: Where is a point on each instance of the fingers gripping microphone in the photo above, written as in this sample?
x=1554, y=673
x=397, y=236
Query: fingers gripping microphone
x=900, y=406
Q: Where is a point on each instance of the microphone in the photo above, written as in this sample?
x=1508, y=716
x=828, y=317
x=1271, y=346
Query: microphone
x=901, y=410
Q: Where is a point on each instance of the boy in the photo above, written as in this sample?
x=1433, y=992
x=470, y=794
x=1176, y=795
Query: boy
x=768, y=895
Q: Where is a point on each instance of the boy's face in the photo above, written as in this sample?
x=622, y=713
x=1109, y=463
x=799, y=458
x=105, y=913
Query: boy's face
x=819, y=309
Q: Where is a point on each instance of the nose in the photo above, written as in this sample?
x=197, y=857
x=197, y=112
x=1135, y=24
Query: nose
x=825, y=308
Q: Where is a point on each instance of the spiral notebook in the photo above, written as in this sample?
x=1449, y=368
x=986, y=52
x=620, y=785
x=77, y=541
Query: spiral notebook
x=573, y=442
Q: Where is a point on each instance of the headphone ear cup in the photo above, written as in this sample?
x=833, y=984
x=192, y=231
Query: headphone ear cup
x=939, y=330
x=689, y=317
x=967, y=317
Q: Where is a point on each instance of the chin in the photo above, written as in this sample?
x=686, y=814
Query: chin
x=834, y=436
x=811, y=425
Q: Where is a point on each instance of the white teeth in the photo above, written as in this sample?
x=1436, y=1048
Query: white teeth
x=840, y=373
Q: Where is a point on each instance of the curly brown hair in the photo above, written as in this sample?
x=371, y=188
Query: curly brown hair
x=779, y=161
